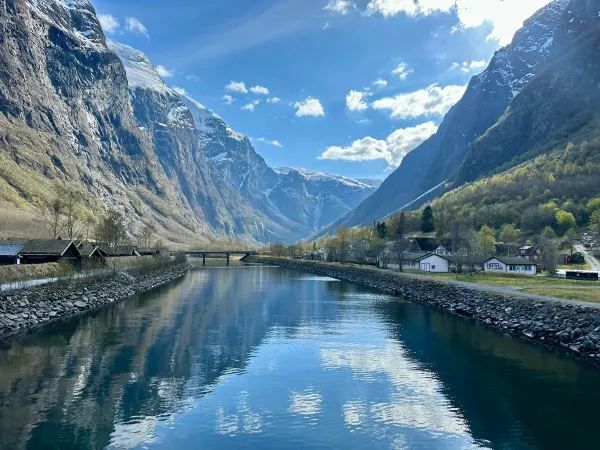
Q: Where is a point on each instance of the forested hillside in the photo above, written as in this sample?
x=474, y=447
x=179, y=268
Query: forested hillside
x=531, y=194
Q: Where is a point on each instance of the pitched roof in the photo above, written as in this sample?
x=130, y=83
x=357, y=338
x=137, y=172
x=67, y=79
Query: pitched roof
x=87, y=249
x=120, y=250
x=11, y=248
x=513, y=260
x=52, y=247
x=428, y=254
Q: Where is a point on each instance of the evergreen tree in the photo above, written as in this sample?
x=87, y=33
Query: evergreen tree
x=427, y=222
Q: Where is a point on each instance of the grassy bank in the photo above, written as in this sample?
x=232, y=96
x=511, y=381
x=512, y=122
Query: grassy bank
x=587, y=291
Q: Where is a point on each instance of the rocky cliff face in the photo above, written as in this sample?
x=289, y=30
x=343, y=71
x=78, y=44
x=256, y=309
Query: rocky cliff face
x=221, y=175
x=557, y=106
x=487, y=97
x=66, y=117
x=79, y=110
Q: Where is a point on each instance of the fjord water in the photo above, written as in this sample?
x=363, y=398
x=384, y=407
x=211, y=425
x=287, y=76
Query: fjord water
x=258, y=357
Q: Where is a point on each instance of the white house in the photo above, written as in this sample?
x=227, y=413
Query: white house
x=510, y=264
x=434, y=263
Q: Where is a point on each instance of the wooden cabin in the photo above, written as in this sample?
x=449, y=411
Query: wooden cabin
x=42, y=251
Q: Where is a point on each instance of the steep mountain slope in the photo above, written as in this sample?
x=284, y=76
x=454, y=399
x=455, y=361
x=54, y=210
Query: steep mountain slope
x=559, y=105
x=66, y=116
x=297, y=201
x=73, y=111
x=221, y=174
x=485, y=100
x=169, y=120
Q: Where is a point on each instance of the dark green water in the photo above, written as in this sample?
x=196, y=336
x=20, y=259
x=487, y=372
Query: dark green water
x=262, y=358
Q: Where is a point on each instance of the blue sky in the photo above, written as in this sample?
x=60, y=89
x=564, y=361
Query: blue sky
x=340, y=86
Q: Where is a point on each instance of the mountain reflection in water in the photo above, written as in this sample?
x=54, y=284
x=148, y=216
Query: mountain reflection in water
x=259, y=357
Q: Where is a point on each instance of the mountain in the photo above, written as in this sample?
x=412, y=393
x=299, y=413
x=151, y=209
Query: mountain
x=427, y=169
x=95, y=115
x=239, y=187
x=557, y=107
x=66, y=117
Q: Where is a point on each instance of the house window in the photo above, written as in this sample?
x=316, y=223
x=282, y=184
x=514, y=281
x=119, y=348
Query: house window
x=433, y=266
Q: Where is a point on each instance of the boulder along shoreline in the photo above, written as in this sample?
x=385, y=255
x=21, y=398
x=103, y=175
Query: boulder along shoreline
x=27, y=309
x=569, y=328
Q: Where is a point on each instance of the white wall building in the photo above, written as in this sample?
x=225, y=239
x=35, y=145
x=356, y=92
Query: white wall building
x=510, y=264
x=434, y=263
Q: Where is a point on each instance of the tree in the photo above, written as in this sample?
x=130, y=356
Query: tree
x=73, y=215
x=486, y=241
x=380, y=229
x=459, y=233
x=440, y=223
x=510, y=235
x=427, y=222
x=112, y=228
x=146, y=235
x=569, y=240
x=595, y=222
x=343, y=240
x=400, y=239
x=52, y=215
x=564, y=221
x=549, y=248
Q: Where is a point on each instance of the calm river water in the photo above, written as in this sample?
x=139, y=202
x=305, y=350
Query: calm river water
x=262, y=358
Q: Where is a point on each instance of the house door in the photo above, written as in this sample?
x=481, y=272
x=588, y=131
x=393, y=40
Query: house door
x=426, y=267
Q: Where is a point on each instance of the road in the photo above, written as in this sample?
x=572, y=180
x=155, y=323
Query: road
x=591, y=260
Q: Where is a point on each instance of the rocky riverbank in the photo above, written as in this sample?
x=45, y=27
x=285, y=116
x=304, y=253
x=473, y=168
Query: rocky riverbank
x=26, y=309
x=569, y=327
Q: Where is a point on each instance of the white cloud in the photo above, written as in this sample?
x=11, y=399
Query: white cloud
x=274, y=143
x=237, y=86
x=355, y=100
x=339, y=6
x=180, y=90
x=392, y=150
x=109, y=23
x=164, y=72
x=135, y=26
x=504, y=16
x=380, y=83
x=273, y=100
x=228, y=99
x=309, y=107
x=251, y=106
x=469, y=66
x=433, y=100
x=259, y=90
x=402, y=71
x=389, y=8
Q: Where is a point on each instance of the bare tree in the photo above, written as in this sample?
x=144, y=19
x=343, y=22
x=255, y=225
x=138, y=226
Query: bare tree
x=146, y=235
x=52, y=215
x=549, y=248
x=400, y=242
x=74, y=219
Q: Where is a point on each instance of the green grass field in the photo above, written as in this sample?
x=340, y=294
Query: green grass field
x=588, y=291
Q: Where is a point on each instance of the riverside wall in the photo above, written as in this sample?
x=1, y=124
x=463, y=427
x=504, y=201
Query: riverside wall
x=26, y=309
x=569, y=327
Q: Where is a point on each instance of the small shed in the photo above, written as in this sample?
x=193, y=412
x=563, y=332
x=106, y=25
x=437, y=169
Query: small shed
x=91, y=254
x=41, y=251
x=434, y=263
x=510, y=264
x=10, y=251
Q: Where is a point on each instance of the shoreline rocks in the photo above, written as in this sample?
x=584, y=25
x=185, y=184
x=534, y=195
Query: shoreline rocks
x=27, y=309
x=570, y=328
